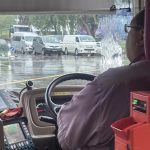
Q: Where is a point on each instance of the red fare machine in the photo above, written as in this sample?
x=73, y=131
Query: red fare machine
x=133, y=133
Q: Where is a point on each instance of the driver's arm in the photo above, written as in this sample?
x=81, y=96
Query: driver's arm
x=85, y=121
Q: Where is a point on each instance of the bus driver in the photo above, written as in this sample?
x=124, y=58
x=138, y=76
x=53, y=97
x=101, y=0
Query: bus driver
x=84, y=122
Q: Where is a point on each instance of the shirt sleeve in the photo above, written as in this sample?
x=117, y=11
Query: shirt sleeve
x=85, y=120
x=78, y=121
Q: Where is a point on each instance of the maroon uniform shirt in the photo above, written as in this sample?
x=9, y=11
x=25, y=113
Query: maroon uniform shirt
x=84, y=122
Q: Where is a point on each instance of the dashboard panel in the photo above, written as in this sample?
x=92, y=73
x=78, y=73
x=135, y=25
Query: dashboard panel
x=35, y=132
x=33, y=103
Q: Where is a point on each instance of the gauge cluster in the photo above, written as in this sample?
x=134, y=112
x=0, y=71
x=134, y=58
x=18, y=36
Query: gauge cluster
x=41, y=106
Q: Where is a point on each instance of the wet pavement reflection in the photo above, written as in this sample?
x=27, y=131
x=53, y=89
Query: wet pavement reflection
x=42, y=69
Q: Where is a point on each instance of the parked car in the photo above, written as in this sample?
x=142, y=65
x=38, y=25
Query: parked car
x=4, y=49
x=79, y=44
x=47, y=45
x=22, y=41
x=58, y=37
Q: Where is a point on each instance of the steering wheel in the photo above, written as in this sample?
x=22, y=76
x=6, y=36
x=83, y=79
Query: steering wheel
x=54, y=108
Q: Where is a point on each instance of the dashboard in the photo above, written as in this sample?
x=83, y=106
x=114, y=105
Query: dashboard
x=33, y=102
x=7, y=100
x=28, y=131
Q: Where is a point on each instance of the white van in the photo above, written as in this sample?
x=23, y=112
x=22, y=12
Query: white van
x=79, y=44
x=22, y=41
x=19, y=28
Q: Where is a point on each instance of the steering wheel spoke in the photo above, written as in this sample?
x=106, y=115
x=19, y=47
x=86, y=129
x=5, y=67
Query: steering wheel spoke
x=57, y=109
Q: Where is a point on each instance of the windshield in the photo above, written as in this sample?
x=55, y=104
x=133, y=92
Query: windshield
x=32, y=63
x=21, y=29
x=87, y=39
x=29, y=38
x=50, y=40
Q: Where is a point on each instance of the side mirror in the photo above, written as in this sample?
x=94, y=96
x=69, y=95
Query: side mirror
x=77, y=39
x=22, y=39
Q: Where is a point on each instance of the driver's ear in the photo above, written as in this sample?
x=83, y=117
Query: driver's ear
x=140, y=41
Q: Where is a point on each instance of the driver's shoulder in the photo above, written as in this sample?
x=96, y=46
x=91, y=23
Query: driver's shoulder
x=123, y=74
x=113, y=75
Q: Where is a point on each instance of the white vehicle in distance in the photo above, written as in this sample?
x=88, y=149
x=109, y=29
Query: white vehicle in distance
x=19, y=28
x=79, y=44
x=22, y=41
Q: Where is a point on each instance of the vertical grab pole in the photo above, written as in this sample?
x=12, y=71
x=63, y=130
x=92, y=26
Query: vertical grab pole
x=147, y=29
x=1, y=136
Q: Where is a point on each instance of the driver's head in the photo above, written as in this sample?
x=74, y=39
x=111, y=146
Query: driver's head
x=135, y=39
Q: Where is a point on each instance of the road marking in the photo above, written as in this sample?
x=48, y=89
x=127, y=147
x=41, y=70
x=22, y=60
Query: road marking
x=40, y=78
x=33, y=79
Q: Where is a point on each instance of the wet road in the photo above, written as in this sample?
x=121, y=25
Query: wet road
x=41, y=70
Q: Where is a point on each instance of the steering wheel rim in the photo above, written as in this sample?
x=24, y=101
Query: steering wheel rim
x=52, y=107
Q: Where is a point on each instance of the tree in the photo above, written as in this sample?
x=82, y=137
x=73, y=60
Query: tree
x=65, y=24
x=24, y=20
x=6, y=22
x=88, y=24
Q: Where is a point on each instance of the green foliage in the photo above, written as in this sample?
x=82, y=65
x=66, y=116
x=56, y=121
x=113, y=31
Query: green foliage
x=6, y=21
x=64, y=24
x=51, y=24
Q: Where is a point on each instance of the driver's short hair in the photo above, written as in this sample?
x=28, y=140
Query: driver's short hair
x=140, y=18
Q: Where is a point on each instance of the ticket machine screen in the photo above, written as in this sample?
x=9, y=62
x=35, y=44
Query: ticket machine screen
x=13, y=133
x=139, y=105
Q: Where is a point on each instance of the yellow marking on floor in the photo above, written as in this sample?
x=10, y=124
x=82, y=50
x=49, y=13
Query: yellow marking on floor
x=33, y=79
x=40, y=78
x=62, y=93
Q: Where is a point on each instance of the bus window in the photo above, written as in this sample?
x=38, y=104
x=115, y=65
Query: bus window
x=102, y=38
x=16, y=38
